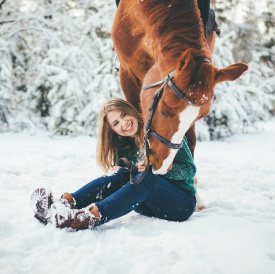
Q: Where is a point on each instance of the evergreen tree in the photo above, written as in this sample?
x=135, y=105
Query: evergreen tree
x=6, y=100
x=238, y=105
x=58, y=48
x=268, y=37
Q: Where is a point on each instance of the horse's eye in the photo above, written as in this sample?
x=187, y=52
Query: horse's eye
x=164, y=114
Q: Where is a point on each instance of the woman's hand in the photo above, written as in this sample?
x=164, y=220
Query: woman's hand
x=115, y=168
x=140, y=167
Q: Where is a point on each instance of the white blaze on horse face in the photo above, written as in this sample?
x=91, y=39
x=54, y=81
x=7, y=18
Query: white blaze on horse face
x=186, y=117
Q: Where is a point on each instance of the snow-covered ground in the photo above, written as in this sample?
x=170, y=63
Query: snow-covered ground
x=235, y=234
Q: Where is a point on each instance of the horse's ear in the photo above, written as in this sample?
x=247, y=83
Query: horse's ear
x=231, y=73
x=185, y=59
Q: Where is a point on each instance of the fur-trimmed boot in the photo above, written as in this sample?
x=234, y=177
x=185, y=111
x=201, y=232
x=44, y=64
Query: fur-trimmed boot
x=41, y=201
x=68, y=197
x=64, y=217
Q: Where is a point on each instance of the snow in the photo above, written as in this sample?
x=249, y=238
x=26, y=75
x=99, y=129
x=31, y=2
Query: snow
x=234, y=234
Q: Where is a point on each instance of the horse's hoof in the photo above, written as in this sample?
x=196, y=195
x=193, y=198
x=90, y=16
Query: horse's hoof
x=200, y=204
x=197, y=209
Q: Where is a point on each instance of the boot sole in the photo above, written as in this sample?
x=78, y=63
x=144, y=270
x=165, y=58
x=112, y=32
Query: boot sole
x=41, y=201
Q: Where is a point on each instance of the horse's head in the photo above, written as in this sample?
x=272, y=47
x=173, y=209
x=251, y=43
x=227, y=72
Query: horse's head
x=173, y=115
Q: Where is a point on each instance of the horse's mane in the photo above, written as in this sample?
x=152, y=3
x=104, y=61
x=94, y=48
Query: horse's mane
x=173, y=25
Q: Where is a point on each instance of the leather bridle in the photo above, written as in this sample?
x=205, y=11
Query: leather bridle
x=148, y=127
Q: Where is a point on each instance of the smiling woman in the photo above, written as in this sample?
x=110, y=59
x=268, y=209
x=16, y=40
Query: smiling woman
x=122, y=124
x=170, y=196
x=119, y=130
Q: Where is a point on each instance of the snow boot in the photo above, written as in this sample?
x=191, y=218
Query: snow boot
x=67, y=196
x=41, y=201
x=64, y=217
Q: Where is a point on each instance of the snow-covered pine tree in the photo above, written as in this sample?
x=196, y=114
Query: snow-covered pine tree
x=267, y=41
x=61, y=52
x=6, y=100
x=78, y=77
x=25, y=31
x=239, y=105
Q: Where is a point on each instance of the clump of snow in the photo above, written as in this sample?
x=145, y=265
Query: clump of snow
x=234, y=234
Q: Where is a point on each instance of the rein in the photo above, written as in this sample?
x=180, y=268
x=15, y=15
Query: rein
x=130, y=167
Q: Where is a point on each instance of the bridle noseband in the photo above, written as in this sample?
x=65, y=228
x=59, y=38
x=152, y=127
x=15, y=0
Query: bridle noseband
x=168, y=80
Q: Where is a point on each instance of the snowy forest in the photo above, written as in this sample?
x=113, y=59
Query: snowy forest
x=58, y=66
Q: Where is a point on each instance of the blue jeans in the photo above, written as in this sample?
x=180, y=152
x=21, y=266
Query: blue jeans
x=153, y=196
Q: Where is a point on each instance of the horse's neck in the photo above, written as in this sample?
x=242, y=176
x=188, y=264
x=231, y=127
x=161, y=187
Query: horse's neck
x=175, y=30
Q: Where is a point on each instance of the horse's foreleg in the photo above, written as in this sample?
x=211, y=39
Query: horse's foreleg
x=131, y=86
x=200, y=205
x=192, y=140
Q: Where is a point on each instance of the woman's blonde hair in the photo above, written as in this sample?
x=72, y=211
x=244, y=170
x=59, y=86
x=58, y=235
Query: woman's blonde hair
x=107, y=140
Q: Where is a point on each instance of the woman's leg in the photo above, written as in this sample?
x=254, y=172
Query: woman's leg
x=100, y=188
x=159, y=197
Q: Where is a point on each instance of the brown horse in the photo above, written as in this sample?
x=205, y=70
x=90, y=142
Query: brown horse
x=153, y=38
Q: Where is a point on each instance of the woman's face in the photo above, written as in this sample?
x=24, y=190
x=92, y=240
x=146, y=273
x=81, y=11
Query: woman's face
x=122, y=123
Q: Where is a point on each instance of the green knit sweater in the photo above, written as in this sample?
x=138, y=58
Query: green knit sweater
x=134, y=154
x=183, y=170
